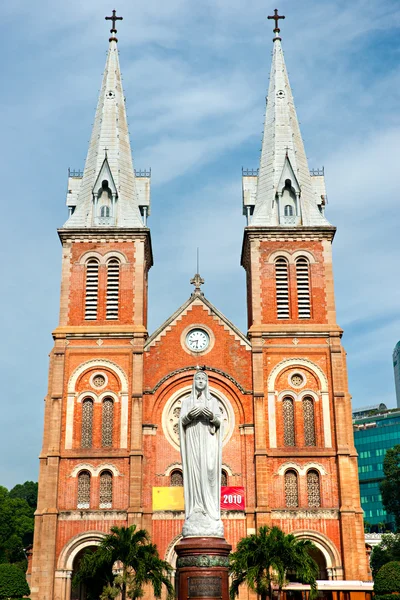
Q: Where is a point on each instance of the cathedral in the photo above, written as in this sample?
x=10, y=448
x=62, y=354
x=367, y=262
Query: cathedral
x=110, y=452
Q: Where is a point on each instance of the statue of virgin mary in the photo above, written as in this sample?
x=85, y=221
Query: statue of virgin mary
x=200, y=433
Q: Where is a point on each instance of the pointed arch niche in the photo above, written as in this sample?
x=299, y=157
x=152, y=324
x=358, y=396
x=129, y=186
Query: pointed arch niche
x=324, y=393
x=72, y=397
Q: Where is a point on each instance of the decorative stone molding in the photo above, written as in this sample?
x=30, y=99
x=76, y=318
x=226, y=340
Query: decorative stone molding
x=327, y=547
x=296, y=363
x=92, y=515
x=75, y=545
x=203, y=560
x=306, y=513
x=95, y=471
x=193, y=368
x=301, y=469
x=97, y=364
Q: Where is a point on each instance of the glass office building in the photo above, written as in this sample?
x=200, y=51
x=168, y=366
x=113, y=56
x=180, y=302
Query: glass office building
x=375, y=431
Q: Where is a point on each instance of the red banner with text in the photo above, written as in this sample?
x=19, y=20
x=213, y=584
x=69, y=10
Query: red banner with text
x=232, y=498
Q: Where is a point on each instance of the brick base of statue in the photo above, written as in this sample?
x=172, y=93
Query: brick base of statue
x=202, y=568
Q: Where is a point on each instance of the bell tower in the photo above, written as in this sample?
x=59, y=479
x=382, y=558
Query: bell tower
x=306, y=463
x=91, y=456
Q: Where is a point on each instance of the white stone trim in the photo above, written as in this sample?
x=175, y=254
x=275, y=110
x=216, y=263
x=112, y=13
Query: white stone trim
x=272, y=419
x=173, y=467
x=106, y=394
x=305, y=393
x=75, y=545
x=124, y=421
x=326, y=413
x=95, y=471
x=189, y=328
x=88, y=255
x=291, y=256
x=102, y=258
x=170, y=554
x=90, y=395
x=287, y=393
x=69, y=421
x=95, y=374
x=98, y=364
x=297, y=363
x=301, y=469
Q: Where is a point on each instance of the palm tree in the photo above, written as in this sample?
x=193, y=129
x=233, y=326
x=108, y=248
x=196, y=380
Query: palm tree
x=139, y=561
x=266, y=557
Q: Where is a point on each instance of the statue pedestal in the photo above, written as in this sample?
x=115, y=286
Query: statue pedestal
x=202, y=568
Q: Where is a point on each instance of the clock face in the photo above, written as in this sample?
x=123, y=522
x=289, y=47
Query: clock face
x=197, y=340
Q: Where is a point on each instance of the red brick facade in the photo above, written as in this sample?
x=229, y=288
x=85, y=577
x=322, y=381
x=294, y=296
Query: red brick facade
x=143, y=377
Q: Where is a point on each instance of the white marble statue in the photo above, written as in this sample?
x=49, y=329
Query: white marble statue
x=200, y=433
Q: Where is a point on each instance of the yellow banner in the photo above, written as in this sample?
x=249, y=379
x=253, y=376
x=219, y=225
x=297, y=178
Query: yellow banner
x=168, y=498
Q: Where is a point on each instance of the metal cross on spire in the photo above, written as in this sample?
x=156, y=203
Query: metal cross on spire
x=197, y=280
x=276, y=18
x=113, y=30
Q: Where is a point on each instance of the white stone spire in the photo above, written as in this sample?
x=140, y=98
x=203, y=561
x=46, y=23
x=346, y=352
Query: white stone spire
x=285, y=194
x=108, y=194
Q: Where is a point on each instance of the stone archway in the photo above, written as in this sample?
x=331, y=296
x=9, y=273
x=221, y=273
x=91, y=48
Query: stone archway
x=72, y=550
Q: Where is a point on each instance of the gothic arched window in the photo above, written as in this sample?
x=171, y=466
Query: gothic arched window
x=288, y=210
x=176, y=478
x=291, y=489
x=83, y=490
x=224, y=478
x=313, y=489
x=92, y=289
x=105, y=211
x=106, y=489
x=288, y=422
x=107, y=422
x=87, y=423
x=309, y=421
x=303, y=288
x=282, y=288
x=112, y=289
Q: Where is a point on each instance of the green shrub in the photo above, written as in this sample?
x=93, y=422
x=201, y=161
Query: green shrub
x=386, y=597
x=388, y=578
x=13, y=583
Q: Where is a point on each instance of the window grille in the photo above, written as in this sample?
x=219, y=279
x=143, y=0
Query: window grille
x=105, y=211
x=83, y=490
x=291, y=490
x=282, y=288
x=107, y=422
x=224, y=478
x=303, y=288
x=112, y=289
x=106, y=485
x=313, y=489
x=176, y=478
x=87, y=423
x=309, y=421
x=288, y=422
x=288, y=210
x=92, y=289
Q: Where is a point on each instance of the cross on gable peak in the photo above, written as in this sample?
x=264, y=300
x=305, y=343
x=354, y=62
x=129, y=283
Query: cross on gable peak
x=197, y=281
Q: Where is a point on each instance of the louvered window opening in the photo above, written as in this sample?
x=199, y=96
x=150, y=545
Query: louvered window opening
x=83, y=490
x=224, y=479
x=288, y=422
x=106, y=490
x=112, y=289
x=87, y=423
x=303, y=288
x=176, y=479
x=313, y=490
x=309, y=422
x=92, y=290
x=107, y=423
x=282, y=288
x=291, y=490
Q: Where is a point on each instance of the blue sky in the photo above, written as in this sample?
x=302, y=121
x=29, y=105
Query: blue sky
x=195, y=78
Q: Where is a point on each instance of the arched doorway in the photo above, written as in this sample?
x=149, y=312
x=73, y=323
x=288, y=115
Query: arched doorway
x=79, y=592
x=319, y=558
